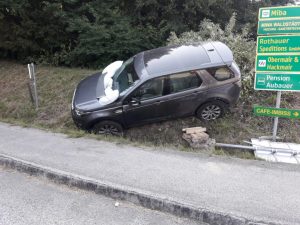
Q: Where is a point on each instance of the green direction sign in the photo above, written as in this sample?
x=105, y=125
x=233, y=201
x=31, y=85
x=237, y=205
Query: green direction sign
x=278, y=27
x=277, y=82
x=278, y=63
x=278, y=44
x=276, y=112
x=286, y=12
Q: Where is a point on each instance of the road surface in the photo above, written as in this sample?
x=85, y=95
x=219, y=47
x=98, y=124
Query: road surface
x=28, y=200
x=251, y=189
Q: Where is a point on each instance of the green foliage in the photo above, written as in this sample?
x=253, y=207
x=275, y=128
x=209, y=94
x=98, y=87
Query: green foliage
x=71, y=32
x=177, y=15
x=93, y=33
x=242, y=46
x=30, y=28
x=184, y=15
x=104, y=37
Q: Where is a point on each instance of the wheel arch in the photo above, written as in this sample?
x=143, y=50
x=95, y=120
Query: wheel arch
x=224, y=101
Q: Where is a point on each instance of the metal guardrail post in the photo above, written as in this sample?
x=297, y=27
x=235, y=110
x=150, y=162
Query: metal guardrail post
x=32, y=85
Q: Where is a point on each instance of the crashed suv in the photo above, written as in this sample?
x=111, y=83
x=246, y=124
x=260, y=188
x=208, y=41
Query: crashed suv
x=199, y=80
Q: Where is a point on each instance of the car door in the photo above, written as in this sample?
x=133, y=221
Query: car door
x=184, y=94
x=141, y=105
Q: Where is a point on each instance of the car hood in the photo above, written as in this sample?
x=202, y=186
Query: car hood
x=95, y=91
x=88, y=91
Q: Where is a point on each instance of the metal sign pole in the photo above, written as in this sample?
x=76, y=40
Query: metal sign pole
x=278, y=100
x=34, y=86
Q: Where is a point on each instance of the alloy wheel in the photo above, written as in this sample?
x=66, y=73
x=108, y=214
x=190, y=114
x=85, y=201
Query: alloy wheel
x=211, y=112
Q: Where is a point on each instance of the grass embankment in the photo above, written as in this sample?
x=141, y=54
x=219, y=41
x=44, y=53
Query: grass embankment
x=55, y=86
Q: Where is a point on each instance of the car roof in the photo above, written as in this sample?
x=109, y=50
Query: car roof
x=175, y=59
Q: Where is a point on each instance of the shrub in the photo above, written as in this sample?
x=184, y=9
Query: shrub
x=243, y=47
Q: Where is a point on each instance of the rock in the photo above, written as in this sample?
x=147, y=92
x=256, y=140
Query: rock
x=198, y=139
x=193, y=130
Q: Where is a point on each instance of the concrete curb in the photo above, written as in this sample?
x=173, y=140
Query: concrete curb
x=138, y=197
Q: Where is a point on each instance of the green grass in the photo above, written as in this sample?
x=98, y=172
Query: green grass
x=234, y=152
x=55, y=86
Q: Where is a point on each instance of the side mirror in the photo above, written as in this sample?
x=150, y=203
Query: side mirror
x=135, y=101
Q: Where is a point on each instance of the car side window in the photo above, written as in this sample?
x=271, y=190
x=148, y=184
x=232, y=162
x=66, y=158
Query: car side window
x=221, y=73
x=183, y=81
x=150, y=89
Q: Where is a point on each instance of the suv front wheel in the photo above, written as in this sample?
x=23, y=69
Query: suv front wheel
x=211, y=110
x=108, y=127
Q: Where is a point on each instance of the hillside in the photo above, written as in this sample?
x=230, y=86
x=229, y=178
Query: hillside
x=56, y=86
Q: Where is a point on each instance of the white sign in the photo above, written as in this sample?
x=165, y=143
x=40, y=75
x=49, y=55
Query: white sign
x=262, y=63
x=265, y=13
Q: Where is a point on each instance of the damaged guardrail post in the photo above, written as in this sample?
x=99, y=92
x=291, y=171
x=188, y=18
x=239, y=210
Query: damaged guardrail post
x=32, y=85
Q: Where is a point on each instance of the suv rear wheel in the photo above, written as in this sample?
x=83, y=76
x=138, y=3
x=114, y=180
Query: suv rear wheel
x=211, y=110
x=108, y=127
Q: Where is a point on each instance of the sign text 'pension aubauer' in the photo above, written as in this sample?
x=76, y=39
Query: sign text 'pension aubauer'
x=283, y=82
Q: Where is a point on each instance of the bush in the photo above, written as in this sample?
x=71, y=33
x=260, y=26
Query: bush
x=71, y=32
x=243, y=47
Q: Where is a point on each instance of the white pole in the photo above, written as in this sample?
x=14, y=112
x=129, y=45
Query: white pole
x=278, y=100
x=34, y=86
x=29, y=70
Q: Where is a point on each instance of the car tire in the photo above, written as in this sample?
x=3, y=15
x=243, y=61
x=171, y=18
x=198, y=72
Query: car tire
x=108, y=127
x=211, y=110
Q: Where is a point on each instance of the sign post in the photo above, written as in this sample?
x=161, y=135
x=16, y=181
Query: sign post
x=278, y=58
x=32, y=85
x=275, y=127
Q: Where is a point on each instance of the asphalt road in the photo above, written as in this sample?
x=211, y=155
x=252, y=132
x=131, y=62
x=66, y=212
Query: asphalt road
x=29, y=200
x=257, y=190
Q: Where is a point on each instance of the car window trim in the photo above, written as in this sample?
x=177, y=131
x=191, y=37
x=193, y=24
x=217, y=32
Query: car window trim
x=189, y=89
x=126, y=99
x=218, y=67
x=166, y=79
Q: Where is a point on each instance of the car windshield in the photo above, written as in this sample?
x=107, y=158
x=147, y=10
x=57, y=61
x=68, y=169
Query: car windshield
x=125, y=76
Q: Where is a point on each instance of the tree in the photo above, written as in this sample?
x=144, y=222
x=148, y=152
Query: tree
x=30, y=28
x=105, y=36
x=183, y=15
x=176, y=15
x=71, y=32
x=94, y=33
